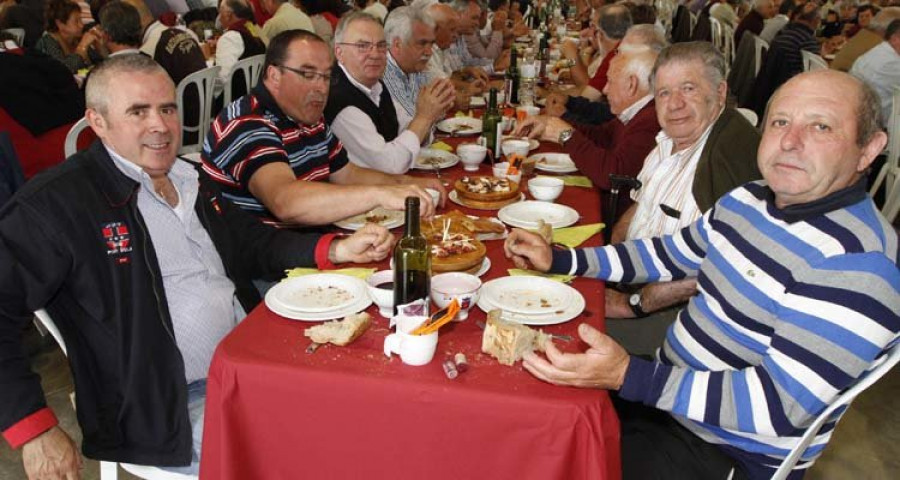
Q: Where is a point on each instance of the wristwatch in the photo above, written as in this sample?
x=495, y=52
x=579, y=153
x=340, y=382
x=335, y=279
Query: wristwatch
x=634, y=301
x=565, y=135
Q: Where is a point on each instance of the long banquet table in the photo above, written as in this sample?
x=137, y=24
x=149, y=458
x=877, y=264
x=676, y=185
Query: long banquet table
x=276, y=412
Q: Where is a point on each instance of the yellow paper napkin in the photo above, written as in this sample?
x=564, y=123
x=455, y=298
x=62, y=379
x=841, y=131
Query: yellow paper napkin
x=577, y=181
x=362, y=273
x=441, y=146
x=515, y=272
x=575, y=236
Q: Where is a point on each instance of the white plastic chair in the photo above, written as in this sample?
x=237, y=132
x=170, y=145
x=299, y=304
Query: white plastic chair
x=750, y=115
x=881, y=367
x=18, y=34
x=109, y=470
x=250, y=66
x=723, y=39
x=890, y=172
x=71, y=145
x=760, y=46
x=812, y=62
x=205, y=81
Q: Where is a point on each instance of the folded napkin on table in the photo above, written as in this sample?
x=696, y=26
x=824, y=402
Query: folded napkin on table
x=575, y=236
x=441, y=146
x=515, y=272
x=576, y=181
x=362, y=273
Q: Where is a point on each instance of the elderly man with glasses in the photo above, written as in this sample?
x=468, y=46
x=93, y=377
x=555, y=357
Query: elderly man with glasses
x=274, y=155
x=360, y=109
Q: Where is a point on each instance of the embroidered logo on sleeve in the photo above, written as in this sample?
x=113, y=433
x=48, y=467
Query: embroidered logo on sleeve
x=118, y=240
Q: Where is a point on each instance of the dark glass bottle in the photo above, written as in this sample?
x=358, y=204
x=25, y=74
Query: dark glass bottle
x=412, y=261
x=491, y=122
x=512, y=79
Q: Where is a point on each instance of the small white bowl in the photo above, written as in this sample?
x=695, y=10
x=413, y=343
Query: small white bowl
x=499, y=170
x=461, y=286
x=471, y=155
x=545, y=189
x=515, y=147
x=383, y=297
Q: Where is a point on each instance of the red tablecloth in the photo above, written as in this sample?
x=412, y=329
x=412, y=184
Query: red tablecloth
x=275, y=412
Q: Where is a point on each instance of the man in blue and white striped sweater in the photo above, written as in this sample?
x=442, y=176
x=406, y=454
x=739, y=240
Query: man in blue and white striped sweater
x=799, y=293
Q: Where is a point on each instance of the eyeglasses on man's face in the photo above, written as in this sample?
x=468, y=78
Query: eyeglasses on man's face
x=308, y=75
x=366, y=47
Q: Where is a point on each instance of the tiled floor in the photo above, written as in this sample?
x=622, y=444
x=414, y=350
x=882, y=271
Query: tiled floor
x=866, y=444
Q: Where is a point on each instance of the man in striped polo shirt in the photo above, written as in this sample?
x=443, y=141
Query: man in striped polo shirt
x=779, y=327
x=274, y=156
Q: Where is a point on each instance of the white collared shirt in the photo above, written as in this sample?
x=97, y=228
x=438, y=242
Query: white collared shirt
x=667, y=178
x=633, y=110
x=365, y=146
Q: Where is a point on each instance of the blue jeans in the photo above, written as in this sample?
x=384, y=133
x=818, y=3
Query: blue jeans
x=196, y=406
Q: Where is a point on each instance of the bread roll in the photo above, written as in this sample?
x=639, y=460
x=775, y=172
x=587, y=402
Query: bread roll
x=508, y=341
x=340, y=332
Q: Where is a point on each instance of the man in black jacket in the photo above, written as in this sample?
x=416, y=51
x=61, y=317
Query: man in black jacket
x=144, y=267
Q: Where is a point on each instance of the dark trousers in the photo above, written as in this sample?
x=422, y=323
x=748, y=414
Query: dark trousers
x=655, y=446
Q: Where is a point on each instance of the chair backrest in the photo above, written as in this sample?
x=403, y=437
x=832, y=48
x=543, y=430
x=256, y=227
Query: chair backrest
x=760, y=48
x=71, y=145
x=750, y=115
x=18, y=34
x=889, y=175
x=881, y=366
x=204, y=81
x=44, y=318
x=250, y=68
x=811, y=61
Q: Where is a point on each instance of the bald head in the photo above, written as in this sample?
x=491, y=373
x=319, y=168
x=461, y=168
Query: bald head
x=445, y=24
x=143, y=11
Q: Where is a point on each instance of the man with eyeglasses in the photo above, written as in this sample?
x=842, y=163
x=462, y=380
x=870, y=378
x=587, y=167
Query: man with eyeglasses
x=274, y=155
x=360, y=109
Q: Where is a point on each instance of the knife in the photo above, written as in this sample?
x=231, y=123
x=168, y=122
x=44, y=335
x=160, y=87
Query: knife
x=564, y=338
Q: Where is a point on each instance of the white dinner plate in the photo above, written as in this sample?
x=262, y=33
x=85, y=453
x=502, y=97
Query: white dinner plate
x=526, y=214
x=554, y=162
x=532, y=143
x=454, y=197
x=318, y=293
x=360, y=305
x=392, y=218
x=429, y=158
x=569, y=312
x=460, y=126
x=529, y=295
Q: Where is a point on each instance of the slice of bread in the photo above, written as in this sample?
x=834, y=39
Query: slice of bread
x=340, y=332
x=508, y=341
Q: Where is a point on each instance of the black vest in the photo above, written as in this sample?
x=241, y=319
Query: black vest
x=344, y=94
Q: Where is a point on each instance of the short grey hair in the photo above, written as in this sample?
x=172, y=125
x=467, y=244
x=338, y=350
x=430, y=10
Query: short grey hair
x=639, y=63
x=646, y=35
x=882, y=19
x=868, y=114
x=399, y=23
x=704, y=52
x=96, y=92
x=349, y=18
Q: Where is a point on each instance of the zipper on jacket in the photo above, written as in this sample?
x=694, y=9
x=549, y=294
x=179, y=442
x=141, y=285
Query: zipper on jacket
x=156, y=294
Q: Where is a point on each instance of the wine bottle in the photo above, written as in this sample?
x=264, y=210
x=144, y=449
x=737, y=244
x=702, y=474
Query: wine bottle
x=412, y=262
x=512, y=79
x=491, y=123
x=543, y=56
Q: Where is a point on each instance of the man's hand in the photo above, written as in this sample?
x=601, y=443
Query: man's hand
x=569, y=49
x=52, y=455
x=502, y=62
x=478, y=74
x=435, y=99
x=543, y=127
x=432, y=183
x=603, y=365
x=527, y=250
x=371, y=243
x=556, y=104
x=532, y=127
x=393, y=197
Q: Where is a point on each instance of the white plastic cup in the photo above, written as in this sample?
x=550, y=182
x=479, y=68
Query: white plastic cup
x=415, y=350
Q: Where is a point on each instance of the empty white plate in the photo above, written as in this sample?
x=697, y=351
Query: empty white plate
x=554, y=162
x=527, y=214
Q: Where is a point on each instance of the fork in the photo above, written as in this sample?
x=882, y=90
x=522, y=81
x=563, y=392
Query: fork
x=437, y=171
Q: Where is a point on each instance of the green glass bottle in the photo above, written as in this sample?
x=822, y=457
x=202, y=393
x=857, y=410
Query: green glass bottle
x=491, y=123
x=412, y=261
x=513, y=79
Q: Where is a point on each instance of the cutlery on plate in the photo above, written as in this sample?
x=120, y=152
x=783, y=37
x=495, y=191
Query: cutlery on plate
x=505, y=316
